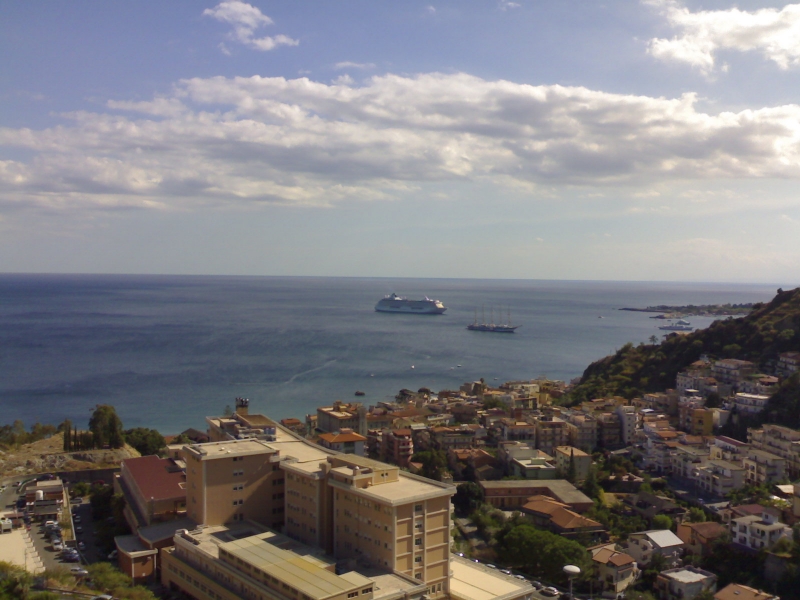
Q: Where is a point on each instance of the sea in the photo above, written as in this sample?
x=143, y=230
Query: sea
x=167, y=351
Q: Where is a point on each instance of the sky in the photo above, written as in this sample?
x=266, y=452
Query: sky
x=534, y=139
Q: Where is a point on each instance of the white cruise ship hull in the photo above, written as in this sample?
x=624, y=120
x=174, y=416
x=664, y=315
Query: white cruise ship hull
x=395, y=304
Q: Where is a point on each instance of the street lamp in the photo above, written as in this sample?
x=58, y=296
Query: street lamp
x=571, y=571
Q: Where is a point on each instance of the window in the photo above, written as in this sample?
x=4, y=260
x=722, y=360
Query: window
x=238, y=487
x=366, y=591
x=418, y=542
x=418, y=508
x=352, y=594
x=238, y=473
x=418, y=559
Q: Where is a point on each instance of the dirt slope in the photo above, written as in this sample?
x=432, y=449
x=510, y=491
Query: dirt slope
x=48, y=455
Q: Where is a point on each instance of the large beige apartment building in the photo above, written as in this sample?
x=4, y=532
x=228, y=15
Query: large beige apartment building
x=358, y=508
x=235, y=480
x=351, y=507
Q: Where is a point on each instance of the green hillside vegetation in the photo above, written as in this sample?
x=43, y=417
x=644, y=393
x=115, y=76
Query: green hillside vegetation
x=760, y=337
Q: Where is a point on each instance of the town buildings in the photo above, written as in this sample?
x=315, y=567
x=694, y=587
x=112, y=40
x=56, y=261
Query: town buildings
x=684, y=583
x=642, y=546
x=570, y=460
x=759, y=531
x=512, y=494
x=616, y=571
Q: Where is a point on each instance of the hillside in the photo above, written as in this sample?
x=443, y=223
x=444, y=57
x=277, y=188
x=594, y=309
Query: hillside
x=48, y=455
x=760, y=337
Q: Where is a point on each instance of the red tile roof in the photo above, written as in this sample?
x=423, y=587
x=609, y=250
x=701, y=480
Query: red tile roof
x=340, y=438
x=156, y=478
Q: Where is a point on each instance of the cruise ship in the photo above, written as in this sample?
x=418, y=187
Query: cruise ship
x=394, y=303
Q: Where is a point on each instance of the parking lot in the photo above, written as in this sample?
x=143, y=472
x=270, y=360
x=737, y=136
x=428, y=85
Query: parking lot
x=50, y=543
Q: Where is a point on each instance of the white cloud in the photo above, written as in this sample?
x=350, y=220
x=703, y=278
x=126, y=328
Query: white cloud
x=353, y=65
x=506, y=4
x=159, y=107
x=245, y=19
x=772, y=32
x=298, y=141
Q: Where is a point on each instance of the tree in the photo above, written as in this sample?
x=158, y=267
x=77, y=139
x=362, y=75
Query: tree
x=106, y=427
x=696, y=515
x=434, y=463
x=468, y=497
x=590, y=486
x=182, y=439
x=66, y=427
x=146, y=441
x=571, y=471
x=541, y=552
x=662, y=522
x=713, y=400
x=653, y=340
x=81, y=488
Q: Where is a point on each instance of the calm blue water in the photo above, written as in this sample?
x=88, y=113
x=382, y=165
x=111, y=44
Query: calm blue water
x=167, y=351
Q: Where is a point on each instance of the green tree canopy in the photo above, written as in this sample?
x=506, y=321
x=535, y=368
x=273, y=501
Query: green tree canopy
x=662, y=522
x=146, y=441
x=541, y=552
x=106, y=427
x=469, y=496
x=434, y=463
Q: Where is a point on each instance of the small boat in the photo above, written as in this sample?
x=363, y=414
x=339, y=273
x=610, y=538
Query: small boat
x=360, y=393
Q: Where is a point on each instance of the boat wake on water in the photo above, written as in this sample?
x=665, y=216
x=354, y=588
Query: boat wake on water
x=314, y=370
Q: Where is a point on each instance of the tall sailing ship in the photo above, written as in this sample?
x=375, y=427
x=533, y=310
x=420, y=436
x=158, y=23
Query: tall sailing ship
x=491, y=325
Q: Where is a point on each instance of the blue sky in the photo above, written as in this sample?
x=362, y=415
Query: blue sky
x=650, y=140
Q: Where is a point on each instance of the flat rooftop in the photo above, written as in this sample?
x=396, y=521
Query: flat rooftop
x=686, y=576
x=473, y=581
x=212, y=450
x=408, y=488
x=305, y=568
x=286, y=560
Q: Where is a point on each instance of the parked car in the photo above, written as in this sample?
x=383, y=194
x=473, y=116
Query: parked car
x=78, y=529
x=79, y=571
x=549, y=591
x=58, y=546
x=112, y=555
x=77, y=518
x=537, y=585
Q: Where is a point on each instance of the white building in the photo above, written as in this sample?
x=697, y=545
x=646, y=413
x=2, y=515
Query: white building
x=759, y=531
